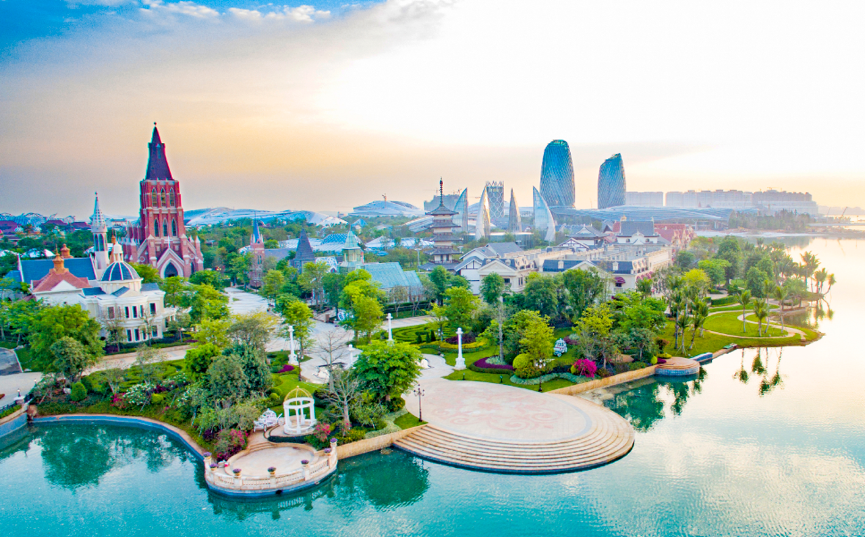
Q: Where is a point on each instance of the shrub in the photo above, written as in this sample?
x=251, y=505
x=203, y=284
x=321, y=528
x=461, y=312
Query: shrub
x=637, y=365
x=524, y=367
x=274, y=398
x=585, y=368
x=604, y=373
x=484, y=366
x=88, y=383
x=157, y=399
x=229, y=442
x=287, y=368
x=467, y=338
x=79, y=392
x=395, y=404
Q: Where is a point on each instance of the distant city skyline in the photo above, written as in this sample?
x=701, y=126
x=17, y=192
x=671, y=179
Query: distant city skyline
x=327, y=107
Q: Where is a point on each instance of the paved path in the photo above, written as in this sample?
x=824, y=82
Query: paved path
x=240, y=301
x=10, y=384
x=125, y=361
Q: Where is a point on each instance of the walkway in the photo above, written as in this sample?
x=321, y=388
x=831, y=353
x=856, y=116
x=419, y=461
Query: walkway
x=500, y=428
x=790, y=331
x=10, y=384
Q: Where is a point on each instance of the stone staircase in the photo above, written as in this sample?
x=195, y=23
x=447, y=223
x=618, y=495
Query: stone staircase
x=609, y=438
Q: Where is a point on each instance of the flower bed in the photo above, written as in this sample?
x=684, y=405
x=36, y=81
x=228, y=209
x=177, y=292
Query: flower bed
x=484, y=365
x=287, y=368
x=480, y=342
x=467, y=338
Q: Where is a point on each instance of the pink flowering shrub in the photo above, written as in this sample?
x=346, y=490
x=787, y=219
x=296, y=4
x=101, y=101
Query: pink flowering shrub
x=586, y=368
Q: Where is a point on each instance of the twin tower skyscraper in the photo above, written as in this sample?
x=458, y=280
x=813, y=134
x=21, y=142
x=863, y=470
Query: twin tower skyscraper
x=557, y=178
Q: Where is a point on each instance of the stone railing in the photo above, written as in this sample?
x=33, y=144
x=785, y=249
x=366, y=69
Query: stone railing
x=322, y=464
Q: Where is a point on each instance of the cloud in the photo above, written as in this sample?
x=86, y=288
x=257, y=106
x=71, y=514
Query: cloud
x=183, y=8
x=306, y=14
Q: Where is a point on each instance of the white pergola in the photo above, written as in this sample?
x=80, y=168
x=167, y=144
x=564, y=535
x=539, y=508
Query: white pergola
x=299, y=409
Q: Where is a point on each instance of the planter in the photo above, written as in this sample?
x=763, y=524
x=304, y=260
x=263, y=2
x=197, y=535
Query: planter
x=213, y=467
x=272, y=471
x=236, y=472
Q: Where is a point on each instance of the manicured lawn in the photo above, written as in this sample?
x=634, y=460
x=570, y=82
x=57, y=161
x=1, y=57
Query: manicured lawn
x=407, y=421
x=504, y=378
x=737, y=308
x=713, y=342
x=728, y=323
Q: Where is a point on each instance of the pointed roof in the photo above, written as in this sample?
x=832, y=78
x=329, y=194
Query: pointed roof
x=304, y=249
x=515, y=222
x=97, y=221
x=441, y=210
x=157, y=165
x=256, y=234
x=351, y=241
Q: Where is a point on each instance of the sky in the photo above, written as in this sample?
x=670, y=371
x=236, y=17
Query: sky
x=331, y=105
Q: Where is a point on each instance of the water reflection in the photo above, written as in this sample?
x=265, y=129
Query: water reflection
x=643, y=403
x=382, y=482
x=63, y=448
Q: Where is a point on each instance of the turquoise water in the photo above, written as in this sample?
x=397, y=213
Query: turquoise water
x=780, y=454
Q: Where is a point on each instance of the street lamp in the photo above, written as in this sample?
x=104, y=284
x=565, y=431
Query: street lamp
x=292, y=357
x=420, y=393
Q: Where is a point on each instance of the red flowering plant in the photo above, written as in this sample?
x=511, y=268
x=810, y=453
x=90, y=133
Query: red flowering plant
x=586, y=368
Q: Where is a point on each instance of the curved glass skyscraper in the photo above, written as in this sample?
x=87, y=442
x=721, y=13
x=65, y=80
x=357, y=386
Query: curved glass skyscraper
x=557, y=175
x=611, y=183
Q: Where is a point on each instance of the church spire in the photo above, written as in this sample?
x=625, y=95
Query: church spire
x=157, y=165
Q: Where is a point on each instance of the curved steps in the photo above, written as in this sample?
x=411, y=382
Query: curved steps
x=609, y=438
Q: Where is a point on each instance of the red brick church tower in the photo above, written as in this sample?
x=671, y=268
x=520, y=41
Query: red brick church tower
x=159, y=238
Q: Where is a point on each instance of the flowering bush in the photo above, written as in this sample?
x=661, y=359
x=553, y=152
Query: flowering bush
x=229, y=442
x=467, y=338
x=570, y=340
x=586, y=368
x=488, y=363
x=287, y=368
x=139, y=395
x=322, y=431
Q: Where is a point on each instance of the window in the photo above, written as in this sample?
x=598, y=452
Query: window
x=127, y=312
x=154, y=200
x=164, y=229
x=129, y=335
x=134, y=312
x=141, y=310
x=153, y=308
x=110, y=312
x=156, y=228
x=154, y=332
x=137, y=337
x=171, y=197
x=173, y=228
x=162, y=197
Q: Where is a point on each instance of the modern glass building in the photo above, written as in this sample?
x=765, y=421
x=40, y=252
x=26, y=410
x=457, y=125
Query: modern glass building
x=611, y=183
x=544, y=221
x=515, y=223
x=461, y=219
x=557, y=175
x=482, y=224
x=496, y=194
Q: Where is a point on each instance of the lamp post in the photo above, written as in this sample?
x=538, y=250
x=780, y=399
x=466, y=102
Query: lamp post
x=420, y=393
x=461, y=362
x=292, y=357
x=389, y=329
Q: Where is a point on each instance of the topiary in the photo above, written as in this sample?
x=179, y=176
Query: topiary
x=524, y=367
x=274, y=397
x=78, y=393
x=88, y=383
x=396, y=403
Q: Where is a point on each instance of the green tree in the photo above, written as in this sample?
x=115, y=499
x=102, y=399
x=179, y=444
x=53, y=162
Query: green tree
x=594, y=333
x=207, y=303
x=226, y=379
x=388, y=370
x=744, y=299
x=210, y=277
x=252, y=329
x=148, y=273
x=583, y=288
x=716, y=269
x=311, y=280
x=238, y=268
x=53, y=323
x=536, y=342
x=367, y=316
x=460, y=306
x=272, y=285
x=177, y=291
x=199, y=359
x=254, y=367
x=755, y=278
x=541, y=294
x=214, y=332
x=685, y=259
x=333, y=283
x=440, y=280
x=71, y=358
x=730, y=251
x=492, y=288
x=297, y=314
x=644, y=287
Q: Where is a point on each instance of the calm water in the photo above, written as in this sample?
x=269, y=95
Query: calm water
x=780, y=454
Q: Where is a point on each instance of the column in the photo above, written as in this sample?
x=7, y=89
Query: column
x=461, y=362
x=292, y=357
x=389, y=329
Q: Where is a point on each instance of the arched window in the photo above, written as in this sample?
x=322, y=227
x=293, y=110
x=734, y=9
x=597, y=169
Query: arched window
x=173, y=228
x=164, y=229
x=162, y=196
x=156, y=227
x=154, y=200
x=171, y=197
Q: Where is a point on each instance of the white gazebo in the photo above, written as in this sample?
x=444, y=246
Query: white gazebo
x=299, y=409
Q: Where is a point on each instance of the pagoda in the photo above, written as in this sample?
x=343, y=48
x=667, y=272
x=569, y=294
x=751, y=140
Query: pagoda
x=443, y=252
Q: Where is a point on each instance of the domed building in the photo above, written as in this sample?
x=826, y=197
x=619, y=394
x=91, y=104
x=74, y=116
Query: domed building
x=116, y=296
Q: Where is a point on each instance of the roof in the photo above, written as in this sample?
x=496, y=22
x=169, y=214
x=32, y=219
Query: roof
x=119, y=271
x=631, y=227
x=120, y=292
x=93, y=291
x=391, y=275
x=13, y=275
x=304, y=250
x=504, y=248
x=150, y=287
x=36, y=269
x=277, y=253
x=256, y=234
x=157, y=165
x=587, y=232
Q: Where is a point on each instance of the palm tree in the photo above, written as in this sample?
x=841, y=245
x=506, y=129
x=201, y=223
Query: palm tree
x=831, y=281
x=703, y=311
x=744, y=299
x=697, y=321
x=761, y=311
x=809, y=264
x=682, y=324
x=780, y=295
x=820, y=277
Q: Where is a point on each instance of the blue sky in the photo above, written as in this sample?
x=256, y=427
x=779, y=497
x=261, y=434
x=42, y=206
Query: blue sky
x=330, y=105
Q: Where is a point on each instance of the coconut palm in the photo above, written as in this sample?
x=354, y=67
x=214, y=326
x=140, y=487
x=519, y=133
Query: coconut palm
x=809, y=264
x=820, y=277
x=682, y=324
x=744, y=299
